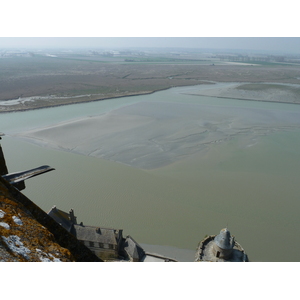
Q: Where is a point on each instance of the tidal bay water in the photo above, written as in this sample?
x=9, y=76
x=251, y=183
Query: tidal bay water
x=228, y=163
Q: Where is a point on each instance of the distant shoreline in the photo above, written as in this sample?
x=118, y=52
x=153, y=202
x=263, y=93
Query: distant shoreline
x=245, y=99
x=231, y=94
x=261, y=92
x=78, y=102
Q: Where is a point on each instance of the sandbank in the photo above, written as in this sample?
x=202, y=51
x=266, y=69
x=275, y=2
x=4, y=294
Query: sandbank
x=269, y=92
x=149, y=135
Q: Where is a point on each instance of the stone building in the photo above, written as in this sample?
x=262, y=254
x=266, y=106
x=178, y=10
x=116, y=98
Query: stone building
x=223, y=244
x=220, y=248
x=132, y=250
x=104, y=242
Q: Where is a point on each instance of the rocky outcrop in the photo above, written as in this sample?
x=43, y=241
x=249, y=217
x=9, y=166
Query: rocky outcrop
x=27, y=233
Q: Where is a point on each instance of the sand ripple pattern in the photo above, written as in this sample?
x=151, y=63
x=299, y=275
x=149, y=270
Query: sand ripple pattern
x=149, y=135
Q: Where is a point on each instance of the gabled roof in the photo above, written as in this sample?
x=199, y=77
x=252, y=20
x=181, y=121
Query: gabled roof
x=95, y=234
x=133, y=249
x=60, y=217
x=83, y=232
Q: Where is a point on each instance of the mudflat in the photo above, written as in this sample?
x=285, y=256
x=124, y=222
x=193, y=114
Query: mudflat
x=270, y=92
x=157, y=130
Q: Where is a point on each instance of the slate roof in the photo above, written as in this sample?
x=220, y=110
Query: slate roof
x=95, y=234
x=224, y=240
x=132, y=248
x=83, y=232
x=60, y=217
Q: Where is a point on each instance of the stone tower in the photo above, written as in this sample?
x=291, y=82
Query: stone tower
x=223, y=244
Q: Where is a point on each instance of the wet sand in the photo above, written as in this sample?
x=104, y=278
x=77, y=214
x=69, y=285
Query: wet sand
x=280, y=93
x=153, y=134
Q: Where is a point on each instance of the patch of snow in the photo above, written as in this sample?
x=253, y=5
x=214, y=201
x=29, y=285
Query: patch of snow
x=14, y=244
x=17, y=220
x=5, y=225
x=2, y=213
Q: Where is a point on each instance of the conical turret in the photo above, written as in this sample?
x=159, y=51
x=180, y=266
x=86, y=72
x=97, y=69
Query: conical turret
x=224, y=240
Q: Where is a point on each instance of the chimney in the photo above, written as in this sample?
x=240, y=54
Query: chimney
x=72, y=217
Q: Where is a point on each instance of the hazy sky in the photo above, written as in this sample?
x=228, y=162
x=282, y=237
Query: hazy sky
x=155, y=20
x=285, y=44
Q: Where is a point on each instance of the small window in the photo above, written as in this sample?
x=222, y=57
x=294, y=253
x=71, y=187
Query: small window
x=101, y=245
x=91, y=244
x=111, y=246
